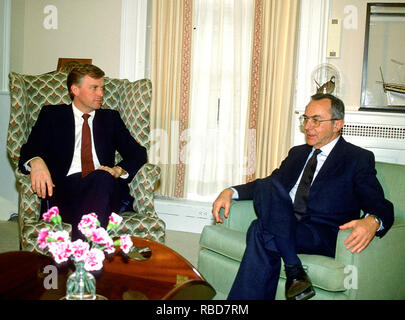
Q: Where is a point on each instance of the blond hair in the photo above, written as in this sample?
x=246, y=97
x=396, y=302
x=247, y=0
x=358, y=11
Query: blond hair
x=77, y=74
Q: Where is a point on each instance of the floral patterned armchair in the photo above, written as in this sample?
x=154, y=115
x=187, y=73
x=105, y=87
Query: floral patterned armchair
x=28, y=93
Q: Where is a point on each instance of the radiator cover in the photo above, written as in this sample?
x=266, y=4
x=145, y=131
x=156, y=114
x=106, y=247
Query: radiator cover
x=184, y=215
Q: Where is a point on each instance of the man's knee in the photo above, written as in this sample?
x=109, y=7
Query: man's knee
x=103, y=178
x=258, y=235
x=254, y=232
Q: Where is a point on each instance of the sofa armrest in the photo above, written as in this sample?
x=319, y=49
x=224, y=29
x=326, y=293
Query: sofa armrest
x=377, y=272
x=241, y=215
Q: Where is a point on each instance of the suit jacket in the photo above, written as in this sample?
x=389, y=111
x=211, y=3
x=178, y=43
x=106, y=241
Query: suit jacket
x=345, y=185
x=53, y=135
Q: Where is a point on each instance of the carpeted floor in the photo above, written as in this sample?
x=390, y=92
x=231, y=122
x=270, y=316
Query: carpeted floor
x=8, y=236
x=185, y=243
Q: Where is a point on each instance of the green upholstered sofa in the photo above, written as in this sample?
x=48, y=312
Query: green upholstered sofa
x=375, y=273
x=28, y=93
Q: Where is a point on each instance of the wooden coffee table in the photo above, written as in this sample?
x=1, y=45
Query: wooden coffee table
x=163, y=275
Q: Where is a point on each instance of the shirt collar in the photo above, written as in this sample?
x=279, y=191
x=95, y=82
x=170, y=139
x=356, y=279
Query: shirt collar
x=79, y=114
x=327, y=148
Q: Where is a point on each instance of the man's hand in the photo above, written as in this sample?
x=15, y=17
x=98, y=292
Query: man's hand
x=41, y=180
x=116, y=172
x=222, y=201
x=363, y=232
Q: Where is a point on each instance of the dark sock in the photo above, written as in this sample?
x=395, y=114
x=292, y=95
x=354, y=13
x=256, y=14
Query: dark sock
x=288, y=251
x=291, y=270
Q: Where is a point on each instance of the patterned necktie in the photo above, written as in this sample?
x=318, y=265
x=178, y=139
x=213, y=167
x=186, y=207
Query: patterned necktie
x=301, y=196
x=86, y=154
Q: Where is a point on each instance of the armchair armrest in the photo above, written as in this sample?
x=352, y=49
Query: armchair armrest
x=241, y=214
x=29, y=203
x=142, y=188
x=377, y=272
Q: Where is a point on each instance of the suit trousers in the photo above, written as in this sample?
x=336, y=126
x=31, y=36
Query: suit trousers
x=259, y=271
x=98, y=192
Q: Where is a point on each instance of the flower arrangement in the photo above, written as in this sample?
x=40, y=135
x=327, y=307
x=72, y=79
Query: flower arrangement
x=90, y=253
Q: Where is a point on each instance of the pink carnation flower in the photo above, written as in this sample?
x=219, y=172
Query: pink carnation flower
x=114, y=221
x=94, y=260
x=41, y=239
x=80, y=249
x=109, y=248
x=59, y=236
x=61, y=251
x=52, y=212
x=101, y=236
x=126, y=243
x=88, y=223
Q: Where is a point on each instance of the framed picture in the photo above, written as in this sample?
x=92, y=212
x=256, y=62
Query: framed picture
x=383, y=86
x=65, y=62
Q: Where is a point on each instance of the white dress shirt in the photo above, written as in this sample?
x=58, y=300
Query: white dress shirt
x=76, y=165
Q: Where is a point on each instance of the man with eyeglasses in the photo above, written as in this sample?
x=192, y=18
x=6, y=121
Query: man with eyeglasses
x=318, y=189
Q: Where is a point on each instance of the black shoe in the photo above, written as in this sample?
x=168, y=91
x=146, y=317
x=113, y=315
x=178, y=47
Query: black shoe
x=298, y=285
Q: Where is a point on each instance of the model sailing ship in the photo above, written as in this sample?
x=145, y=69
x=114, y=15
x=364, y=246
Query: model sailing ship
x=393, y=87
x=394, y=92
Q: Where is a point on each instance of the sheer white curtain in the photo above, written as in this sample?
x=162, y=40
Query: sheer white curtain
x=222, y=45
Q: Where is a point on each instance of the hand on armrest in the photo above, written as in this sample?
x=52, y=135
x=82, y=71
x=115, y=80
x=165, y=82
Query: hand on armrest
x=363, y=232
x=222, y=201
x=41, y=180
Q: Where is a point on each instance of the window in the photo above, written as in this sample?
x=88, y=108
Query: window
x=221, y=59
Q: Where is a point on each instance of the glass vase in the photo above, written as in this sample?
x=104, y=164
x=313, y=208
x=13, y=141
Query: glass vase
x=81, y=284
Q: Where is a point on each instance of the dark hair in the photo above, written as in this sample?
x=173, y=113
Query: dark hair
x=77, y=74
x=338, y=107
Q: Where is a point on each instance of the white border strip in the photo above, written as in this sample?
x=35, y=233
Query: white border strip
x=5, y=14
x=133, y=39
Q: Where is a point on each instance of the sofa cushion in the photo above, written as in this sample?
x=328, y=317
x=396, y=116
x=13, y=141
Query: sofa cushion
x=325, y=272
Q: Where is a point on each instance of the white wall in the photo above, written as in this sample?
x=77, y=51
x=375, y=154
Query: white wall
x=83, y=29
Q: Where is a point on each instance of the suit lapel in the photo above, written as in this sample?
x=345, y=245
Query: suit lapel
x=332, y=164
x=98, y=132
x=296, y=165
x=65, y=132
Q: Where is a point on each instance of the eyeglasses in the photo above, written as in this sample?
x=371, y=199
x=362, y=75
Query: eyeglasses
x=313, y=121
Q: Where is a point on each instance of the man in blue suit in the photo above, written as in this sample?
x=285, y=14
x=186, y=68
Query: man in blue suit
x=344, y=183
x=53, y=156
